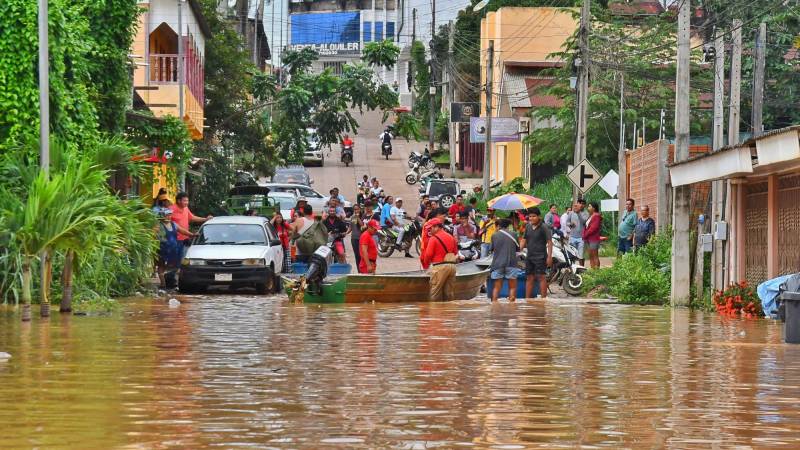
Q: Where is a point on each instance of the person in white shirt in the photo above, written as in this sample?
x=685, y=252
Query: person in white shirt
x=398, y=217
x=564, y=217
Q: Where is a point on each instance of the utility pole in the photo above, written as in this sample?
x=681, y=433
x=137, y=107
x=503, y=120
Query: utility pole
x=451, y=98
x=583, y=87
x=758, y=80
x=411, y=68
x=731, y=252
x=622, y=169
x=432, y=85
x=487, y=147
x=717, y=187
x=681, y=264
x=181, y=65
x=44, y=138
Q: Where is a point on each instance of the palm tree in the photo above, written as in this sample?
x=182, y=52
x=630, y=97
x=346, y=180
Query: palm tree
x=58, y=214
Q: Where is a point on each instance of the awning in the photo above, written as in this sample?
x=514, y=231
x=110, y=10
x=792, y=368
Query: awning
x=712, y=166
x=778, y=147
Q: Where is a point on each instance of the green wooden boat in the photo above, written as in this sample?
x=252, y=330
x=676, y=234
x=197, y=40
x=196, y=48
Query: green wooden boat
x=400, y=287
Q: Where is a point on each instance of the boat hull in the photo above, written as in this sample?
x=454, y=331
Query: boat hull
x=396, y=288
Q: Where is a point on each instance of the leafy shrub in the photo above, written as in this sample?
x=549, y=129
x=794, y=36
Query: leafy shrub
x=639, y=278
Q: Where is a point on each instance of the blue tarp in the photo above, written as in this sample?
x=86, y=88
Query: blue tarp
x=768, y=294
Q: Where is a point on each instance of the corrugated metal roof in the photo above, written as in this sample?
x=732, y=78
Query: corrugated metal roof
x=516, y=91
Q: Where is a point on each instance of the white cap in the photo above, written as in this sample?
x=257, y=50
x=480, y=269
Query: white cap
x=398, y=199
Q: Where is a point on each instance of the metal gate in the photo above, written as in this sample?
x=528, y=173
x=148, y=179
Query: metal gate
x=789, y=224
x=755, y=238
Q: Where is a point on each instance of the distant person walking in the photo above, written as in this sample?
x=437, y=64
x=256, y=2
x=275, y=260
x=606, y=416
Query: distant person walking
x=645, y=228
x=591, y=234
x=627, y=224
x=504, y=249
x=537, y=240
x=440, y=254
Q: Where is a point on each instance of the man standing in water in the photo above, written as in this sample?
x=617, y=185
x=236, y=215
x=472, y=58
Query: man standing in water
x=440, y=253
x=539, y=245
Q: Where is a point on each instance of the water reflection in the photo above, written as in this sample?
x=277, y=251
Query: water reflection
x=249, y=371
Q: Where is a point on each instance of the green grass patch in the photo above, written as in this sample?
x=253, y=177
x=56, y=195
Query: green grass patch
x=442, y=158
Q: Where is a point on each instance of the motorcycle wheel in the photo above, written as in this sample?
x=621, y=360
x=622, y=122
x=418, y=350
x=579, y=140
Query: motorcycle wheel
x=411, y=163
x=385, y=247
x=411, y=179
x=347, y=163
x=418, y=246
x=572, y=284
x=387, y=156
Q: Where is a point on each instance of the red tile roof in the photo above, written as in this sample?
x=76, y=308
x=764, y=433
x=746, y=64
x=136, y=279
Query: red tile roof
x=542, y=100
x=636, y=8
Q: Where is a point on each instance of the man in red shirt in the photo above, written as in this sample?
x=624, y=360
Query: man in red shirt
x=368, y=248
x=440, y=253
x=438, y=213
x=182, y=216
x=456, y=208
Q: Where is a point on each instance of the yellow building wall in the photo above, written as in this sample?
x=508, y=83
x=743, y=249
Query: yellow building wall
x=159, y=177
x=506, y=161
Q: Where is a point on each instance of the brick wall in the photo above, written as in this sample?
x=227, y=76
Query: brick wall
x=644, y=172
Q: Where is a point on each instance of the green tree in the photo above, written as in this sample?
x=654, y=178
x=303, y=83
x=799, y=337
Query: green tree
x=381, y=54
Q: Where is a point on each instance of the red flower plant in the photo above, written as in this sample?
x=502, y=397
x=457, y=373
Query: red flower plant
x=738, y=299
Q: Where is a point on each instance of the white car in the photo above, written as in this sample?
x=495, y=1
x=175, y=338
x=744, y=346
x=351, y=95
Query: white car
x=286, y=203
x=314, y=198
x=238, y=251
x=314, y=154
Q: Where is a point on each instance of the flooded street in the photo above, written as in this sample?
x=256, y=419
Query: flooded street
x=240, y=371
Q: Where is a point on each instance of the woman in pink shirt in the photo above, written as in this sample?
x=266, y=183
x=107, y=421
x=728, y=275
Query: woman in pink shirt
x=591, y=234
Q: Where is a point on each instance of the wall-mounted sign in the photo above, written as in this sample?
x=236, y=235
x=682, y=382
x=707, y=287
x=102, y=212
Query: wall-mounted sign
x=504, y=129
x=463, y=111
x=331, y=49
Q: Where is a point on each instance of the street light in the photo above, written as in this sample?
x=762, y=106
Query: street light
x=480, y=5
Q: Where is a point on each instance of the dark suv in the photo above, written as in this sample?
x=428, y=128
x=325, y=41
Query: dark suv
x=442, y=191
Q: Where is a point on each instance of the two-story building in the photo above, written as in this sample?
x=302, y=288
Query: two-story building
x=525, y=40
x=168, y=77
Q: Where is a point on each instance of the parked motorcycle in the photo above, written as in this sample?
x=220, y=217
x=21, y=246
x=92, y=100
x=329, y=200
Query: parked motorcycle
x=417, y=174
x=387, y=238
x=469, y=250
x=386, y=149
x=566, y=269
x=347, y=154
x=423, y=159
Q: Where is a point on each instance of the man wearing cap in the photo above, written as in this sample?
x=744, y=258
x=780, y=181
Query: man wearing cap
x=440, y=255
x=368, y=249
x=397, y=215
x=297, y=211
x=439, y=213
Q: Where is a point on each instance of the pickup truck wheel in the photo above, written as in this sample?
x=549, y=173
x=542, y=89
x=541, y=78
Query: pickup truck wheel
x=447, y=200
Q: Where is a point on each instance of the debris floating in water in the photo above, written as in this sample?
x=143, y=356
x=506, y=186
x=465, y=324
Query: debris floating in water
x=4, y=356
x=174, y=303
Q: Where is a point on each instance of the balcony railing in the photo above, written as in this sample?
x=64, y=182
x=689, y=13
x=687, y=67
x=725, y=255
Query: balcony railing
x=163, y=68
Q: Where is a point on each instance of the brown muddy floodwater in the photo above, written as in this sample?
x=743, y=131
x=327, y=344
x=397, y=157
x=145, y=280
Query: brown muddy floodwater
x=240, y=371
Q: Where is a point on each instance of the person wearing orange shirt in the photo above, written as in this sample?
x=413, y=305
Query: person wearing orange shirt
x=439, y=213
x=182, y=216
x=440, y=254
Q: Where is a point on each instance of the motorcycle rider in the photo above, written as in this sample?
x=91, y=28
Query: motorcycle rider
x=346, y=141
x=337, y=229
x=386, y=138
x=397, y=215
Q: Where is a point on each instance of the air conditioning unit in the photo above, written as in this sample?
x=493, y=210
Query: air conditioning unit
x=524, y=125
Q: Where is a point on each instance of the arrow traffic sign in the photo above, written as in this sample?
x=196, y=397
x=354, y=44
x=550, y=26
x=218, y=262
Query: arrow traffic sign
x=584, y=176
